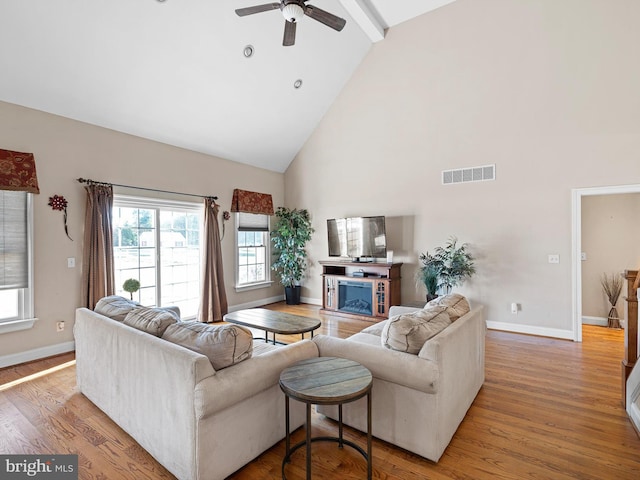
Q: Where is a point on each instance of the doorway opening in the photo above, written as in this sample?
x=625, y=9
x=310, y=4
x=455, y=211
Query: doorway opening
x=577, y=248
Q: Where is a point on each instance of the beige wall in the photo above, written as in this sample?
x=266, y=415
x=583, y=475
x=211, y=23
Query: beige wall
x=65, y=150
x=545, y=89
x=611, y=242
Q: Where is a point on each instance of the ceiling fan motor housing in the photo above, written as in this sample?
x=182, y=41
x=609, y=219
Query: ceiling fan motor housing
x=293, y=11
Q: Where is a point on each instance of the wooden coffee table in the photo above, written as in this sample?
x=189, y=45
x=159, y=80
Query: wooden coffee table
x=326, y=381
x=273, y=321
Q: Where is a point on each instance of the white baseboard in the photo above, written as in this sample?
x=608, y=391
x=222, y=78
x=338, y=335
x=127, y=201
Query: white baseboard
x=600, y=321
x=531, y=330
x=256, y=303
x=311, y=301
x=36, y=354
x=267, y=301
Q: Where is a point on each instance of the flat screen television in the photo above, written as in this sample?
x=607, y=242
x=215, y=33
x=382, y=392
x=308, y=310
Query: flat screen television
x=357, y=237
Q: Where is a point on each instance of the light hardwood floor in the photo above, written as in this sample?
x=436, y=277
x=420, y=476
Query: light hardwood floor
x=549, y=409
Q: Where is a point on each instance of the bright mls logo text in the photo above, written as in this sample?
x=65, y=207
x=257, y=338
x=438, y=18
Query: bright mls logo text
x=51, y=467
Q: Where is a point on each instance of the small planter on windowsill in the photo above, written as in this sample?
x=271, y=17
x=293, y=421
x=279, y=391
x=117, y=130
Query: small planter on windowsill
x=131, y=285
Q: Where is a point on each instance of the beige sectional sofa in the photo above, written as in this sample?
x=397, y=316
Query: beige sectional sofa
x=201, y=424
x=418, y=401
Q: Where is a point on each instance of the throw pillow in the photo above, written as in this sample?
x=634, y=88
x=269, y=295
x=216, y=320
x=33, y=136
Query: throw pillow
x=407, y=332
x=224, y=345
x=456, y=305
x=115, y=307
x=151, y=320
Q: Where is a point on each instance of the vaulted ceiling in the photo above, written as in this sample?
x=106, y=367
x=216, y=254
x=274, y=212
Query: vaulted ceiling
x=174, y=71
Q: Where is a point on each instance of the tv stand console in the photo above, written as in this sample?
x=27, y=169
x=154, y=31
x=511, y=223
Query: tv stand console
x=364, y=289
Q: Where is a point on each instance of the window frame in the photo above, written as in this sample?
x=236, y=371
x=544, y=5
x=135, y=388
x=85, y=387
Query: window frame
x=267, y=282
x=159, y=204
x=25, y=299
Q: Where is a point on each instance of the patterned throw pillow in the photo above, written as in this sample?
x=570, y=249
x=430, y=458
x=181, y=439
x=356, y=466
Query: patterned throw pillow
x=407, y=332
x=115, y=307
x=224, y=345
x=456, y=305
x=151, y=320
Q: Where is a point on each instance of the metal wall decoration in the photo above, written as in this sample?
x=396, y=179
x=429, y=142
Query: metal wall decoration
x=58, y=202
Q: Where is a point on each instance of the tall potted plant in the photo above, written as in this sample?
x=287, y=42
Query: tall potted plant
x=292, y=232
x=448, y=267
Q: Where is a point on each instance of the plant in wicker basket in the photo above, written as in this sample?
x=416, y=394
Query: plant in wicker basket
x=612, y=286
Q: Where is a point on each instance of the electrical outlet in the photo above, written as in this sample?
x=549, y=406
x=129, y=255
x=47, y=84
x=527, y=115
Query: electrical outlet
x=554, y=258
x=71, y=262
x=514, y=308
x=60, y=326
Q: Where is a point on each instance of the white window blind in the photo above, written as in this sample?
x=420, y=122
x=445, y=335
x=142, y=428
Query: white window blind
x=252, y=222
x=14, y=240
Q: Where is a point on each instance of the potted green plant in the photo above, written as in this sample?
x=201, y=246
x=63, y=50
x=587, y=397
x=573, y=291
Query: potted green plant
x=131, y=285
x=448, y=267
x=291, y=233
x=428, y=274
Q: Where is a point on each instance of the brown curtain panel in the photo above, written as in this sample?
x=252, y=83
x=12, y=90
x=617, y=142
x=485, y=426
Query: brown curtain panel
x=98, y=271
x=213, y=300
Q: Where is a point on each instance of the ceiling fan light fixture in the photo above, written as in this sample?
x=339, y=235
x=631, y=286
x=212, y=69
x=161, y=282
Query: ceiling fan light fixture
x=292, y=12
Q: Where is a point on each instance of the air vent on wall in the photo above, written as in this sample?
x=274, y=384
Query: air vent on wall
x=471, y=174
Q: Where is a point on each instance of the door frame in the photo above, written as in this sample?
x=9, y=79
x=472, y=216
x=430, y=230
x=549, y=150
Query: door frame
x=576, y=245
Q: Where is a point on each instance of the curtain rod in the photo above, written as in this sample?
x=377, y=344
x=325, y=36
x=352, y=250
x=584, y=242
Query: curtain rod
x=89, y=181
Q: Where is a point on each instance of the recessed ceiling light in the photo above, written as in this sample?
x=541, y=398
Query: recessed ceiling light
x=248, y=51
x=297, y=83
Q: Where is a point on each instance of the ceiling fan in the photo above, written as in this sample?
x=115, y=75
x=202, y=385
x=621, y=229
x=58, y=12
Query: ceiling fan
x=293, y=11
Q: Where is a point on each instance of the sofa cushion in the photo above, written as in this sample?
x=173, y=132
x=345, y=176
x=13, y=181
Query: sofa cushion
x=375, y=329
x=456, y=305
x=151, y=320
x=224, y=345
x=115, y=307
x=408, y=332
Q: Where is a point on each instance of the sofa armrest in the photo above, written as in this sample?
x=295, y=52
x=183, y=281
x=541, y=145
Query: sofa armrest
x=462, y=337
x=233, y=384
x=390, y=365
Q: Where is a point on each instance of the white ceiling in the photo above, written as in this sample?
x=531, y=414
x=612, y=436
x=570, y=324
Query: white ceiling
x=174, y=71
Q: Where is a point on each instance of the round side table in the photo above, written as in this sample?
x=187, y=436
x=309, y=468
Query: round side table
x=326, y=381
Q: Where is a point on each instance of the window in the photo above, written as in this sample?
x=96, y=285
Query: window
x=252, y=240
x=16, y=295
x=158, y=243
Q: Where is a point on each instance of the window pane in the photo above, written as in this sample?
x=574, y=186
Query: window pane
x=170, y=274
x=180, y=260
x=242, y=239
x=243, y=275
x=260, y=274
x=9, y=304
x=252, y=260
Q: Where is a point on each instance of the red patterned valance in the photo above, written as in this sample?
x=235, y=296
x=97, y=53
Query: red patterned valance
x=251, y=202
x=18, y=172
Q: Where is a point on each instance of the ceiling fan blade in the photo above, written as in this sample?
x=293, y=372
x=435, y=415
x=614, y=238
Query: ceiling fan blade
x=289, y=34
x=329, y=19
x=257, y=9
